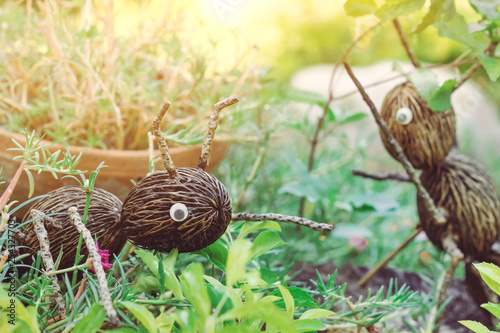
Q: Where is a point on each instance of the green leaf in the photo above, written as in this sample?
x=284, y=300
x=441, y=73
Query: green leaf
x=316, y=313
x=161, y=276
x=265, y=311
x=149, y=259
x=92, y=321
x=301, y=298
x=264, y=242
x=475, y=326
x=216, y=293
x=491, y=66
x=440, y=10
x=425, y=82
x=251, y=227
x=170, y=278
x=307, y=97
x=308, y=325
x=360, y=7
x=216, y=253
x=142, y=314
x=373, y=202
x=458, y=30
x=394, y=8
x=492, y=308
x=353, y=117
x=164, y=322
x=195, y=290
x=490, y=274
x=26, y=314
x=303, y=188
x=287, y=300
x=147, y=283
x=441, y=98
x=238, y=256
x=489, y=8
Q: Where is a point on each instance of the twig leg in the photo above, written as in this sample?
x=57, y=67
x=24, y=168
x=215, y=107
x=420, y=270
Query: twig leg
x=391, y=255
x=43, y=239
x=444, y=283
x=283, y=218
x=96, y=258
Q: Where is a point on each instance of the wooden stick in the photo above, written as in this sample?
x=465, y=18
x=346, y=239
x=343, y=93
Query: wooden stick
x=438, y=215
x=367, y=277
x=283, y=218
x=212, y=126
x=436, y=316
x=382, y=176
x=75, y=219
x=48, y=262
x=162, y=144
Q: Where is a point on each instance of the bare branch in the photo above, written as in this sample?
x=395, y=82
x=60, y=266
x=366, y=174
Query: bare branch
x=321, y=120
x=401, y=34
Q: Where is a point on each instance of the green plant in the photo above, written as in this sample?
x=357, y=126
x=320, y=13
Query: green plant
x=491, y=275
x=94, y=77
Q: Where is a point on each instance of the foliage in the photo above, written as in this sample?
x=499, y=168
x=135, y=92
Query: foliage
x=224, y=288
x=85, y=80
x=247, y=279
x=491, y=275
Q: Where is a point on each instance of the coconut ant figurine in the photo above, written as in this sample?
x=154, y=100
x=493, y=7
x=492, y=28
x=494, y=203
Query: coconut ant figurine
x=425, y=136
x=458, y=202
x=103, y=218
x=186, y=208
x=183, y=208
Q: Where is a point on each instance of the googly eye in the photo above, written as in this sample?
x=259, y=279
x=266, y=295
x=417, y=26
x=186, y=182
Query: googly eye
x=404, y=116
x=178, y=212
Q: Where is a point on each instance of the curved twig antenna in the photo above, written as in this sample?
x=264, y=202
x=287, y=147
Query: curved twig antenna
x=212, y=126
x=162, y=144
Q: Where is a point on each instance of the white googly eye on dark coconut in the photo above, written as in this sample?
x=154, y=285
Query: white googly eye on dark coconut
x=404, y=115
x=178, y=212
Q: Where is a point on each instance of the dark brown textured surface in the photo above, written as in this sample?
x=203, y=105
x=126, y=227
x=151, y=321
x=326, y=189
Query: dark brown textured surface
x=146, y=220
x=428, y=138
x=469, y=195
x=102, y=221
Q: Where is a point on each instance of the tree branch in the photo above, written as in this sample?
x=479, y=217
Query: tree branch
x=401, y=34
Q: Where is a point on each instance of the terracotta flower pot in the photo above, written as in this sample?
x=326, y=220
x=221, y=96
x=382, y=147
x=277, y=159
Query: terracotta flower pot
x=122, y=166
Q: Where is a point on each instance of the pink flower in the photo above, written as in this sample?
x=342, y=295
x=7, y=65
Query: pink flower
x=358, y=242
x=106, y=265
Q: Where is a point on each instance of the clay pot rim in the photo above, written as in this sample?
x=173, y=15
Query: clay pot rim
x=98, y=152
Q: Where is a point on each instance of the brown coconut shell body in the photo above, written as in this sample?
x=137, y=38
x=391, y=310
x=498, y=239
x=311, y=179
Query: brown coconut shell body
x=102, y=221
x=469, y=195
x=146, y=220
x=428, y=138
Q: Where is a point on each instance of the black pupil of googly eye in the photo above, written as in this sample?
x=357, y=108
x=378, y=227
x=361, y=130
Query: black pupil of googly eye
x=179, y=214
x=402, y=118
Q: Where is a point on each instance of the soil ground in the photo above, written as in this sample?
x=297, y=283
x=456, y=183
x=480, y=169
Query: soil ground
x=461, y=307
